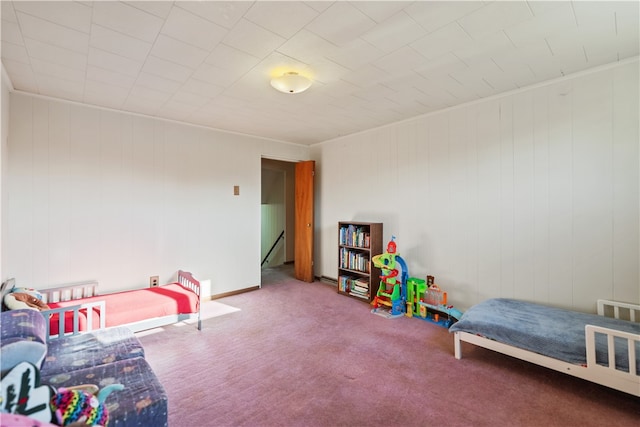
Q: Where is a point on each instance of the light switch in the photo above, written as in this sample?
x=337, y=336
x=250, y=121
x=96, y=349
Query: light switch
x=236, y=190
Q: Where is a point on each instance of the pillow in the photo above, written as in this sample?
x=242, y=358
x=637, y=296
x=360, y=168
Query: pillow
x=20, y=300
x=30, y=291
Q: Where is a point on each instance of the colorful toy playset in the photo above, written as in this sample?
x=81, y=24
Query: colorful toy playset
x=400, y=294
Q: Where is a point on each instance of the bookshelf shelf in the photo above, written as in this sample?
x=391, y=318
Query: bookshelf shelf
x=358, y=242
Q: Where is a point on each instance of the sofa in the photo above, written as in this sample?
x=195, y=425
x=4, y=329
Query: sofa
x=97, y=359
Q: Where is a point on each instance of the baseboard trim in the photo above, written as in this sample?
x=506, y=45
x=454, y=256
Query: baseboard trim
x=236, y=292
x=327, y=279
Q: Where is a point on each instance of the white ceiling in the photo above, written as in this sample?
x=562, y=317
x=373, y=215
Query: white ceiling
x=371, y=62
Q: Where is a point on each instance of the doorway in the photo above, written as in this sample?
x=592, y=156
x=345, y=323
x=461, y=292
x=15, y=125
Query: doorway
x=277, y=218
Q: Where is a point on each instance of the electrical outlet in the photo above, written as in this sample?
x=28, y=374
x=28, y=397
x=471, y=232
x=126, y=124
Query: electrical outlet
x=154, y=281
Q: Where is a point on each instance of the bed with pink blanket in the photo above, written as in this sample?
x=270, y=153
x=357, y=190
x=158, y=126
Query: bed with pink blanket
x=79, y=307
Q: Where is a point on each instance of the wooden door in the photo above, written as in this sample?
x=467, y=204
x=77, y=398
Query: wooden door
x=303, y=264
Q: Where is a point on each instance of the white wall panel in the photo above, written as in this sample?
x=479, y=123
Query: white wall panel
x=541, y=213
x=560, y=248
x=626, y=182
x=532, y=195
x=523, y=166
x=97, y=194
x=507, y=200
x=592, y=178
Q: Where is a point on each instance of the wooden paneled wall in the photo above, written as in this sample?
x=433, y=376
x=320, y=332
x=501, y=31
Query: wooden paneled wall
x=533, y=195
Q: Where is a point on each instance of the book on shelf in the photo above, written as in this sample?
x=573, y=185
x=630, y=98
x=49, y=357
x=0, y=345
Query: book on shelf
x=355, y=236
x=364, y=295
x=353, y=260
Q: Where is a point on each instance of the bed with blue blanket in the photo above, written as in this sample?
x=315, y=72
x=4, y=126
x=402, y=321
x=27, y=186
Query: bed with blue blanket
x=602, y=348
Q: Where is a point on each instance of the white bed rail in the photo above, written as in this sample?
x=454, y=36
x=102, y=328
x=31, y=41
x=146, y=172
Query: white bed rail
x=617, y=308
x=86, y=309
x=611, y=334
x=70, y=292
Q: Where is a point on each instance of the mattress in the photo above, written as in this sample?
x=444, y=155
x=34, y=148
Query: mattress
x=133, y=306
x=552, y=332
x=142, y=403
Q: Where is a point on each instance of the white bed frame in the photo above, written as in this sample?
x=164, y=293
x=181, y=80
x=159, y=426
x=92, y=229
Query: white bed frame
x=80, y=290
x=626, y=381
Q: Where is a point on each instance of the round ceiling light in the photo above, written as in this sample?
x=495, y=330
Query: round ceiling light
x=291, y=82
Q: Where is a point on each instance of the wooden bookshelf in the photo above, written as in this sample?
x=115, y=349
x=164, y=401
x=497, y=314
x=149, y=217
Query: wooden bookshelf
x=358, y=243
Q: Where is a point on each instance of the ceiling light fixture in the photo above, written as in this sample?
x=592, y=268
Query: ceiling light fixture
x=291, y=82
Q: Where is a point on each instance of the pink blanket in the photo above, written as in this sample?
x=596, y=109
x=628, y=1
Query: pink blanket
x=132, y=306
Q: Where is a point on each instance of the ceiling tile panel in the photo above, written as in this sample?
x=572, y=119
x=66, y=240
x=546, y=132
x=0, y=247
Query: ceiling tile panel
x=253, y=39
x=356, y=54
x=11, y=32
x=108, y=77
x=8, y=12
x=494, y=17
x=285, y=21
x=229, y=58
x=189, y=98
x=200, y=87
x=380, y=11
x=326, y=71
x=307, y=47
x=22, y=75
x=433, y=15
x=68, y=14
x=441, y=66
x=59, y=88
x=484, y=47
x=118, y=43
x=224, y=13
x=540, y=8
x=385, y=36
x=341, y=23
x=178, y=52
x=58, y=71
x=551, y=22
x=126, y=19
x=57, y=35
x=367, y=76
x=110, y=61
x=160, y=9
x=55, y=54
x=401, y=60
x=141, y=106
x=214, y=75
x=442, y=41
x=339, y=89
x=14, y=52
x=153, y=81
x=192, y=29
x=168, y=70
x=599, y=16
x=373, y=93
x=144, y=93
x=103, y=94
x=176, y=111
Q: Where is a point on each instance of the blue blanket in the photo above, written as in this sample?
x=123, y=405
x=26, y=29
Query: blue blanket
x=549, y=331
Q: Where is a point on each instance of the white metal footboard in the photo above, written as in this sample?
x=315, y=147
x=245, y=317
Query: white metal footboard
x=187, y=280
x=610, y=370
x=86, y=308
